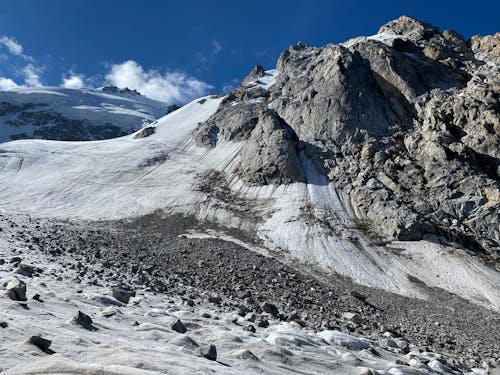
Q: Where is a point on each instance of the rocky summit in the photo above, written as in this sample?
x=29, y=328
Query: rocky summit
x=405, y=123
x=338, y=214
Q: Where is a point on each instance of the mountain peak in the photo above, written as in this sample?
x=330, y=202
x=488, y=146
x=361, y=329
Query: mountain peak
x=116, y=90
x=409, y=27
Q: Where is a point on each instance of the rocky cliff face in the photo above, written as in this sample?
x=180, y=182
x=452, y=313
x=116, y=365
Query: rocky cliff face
x=405, y=123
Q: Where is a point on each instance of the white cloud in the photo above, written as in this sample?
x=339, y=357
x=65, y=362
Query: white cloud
x=217, y=47
x=32, y=75
x=74, y=81
x=169, y=87
x=12, y=45
x=7, y=84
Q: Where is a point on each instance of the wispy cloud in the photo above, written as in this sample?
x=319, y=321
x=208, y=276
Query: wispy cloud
x=21, y=65
x=12, y=45
x=167, y=87
x=217, y=47
x=207, y=57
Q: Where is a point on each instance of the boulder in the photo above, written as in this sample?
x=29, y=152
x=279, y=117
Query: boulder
x=16, y=290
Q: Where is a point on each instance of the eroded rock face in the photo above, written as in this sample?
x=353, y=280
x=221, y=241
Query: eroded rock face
x=274, y=145
x=405, y=123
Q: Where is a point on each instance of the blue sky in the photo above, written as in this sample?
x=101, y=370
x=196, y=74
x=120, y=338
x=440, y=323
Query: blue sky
x=176, y=50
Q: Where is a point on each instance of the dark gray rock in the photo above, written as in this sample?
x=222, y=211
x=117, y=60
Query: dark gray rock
x=26, y=270
x=85, y=321
x=263, y=322
x=121, y=294
x=42, y=344
x=16, y=260
x=270, y=308
x=250, y=328
x=215, y=299
x=145, y=132
x=178, y=326
x=209, y=352
x=16, y=290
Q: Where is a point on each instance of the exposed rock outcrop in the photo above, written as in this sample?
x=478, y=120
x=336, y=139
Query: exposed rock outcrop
x=405, y=123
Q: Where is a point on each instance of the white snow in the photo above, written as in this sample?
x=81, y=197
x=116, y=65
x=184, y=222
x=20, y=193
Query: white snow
x=381, y=37
x=268, y=79
x=119, y=178
x=123, y=110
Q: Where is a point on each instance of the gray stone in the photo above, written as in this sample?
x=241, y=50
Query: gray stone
x=270, y=308
x=16, y=290
x=145, y=132
x=26, y=270
x=121, y=294
x=42, y=344
x=250, y=328
x=85, y=321
x=178, y=326
x=209, y=352
x=353, y=317
x=215, y=299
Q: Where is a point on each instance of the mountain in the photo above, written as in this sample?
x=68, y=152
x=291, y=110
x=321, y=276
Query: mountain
x=351, y=193
x=73, y=114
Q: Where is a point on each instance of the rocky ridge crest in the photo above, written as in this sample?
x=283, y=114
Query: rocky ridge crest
x=405, y=123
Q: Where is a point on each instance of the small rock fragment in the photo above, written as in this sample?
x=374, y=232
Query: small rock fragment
x=214, y=299
x=27, y=270
x=85, y=321
x=121, y=294
x=353, y=317
x=209, y=352
x=250, y=328
x=387, y=343
x=178, y=326
x=263, y=322
x=42, y=344
x=270, y=308
x=358, y=295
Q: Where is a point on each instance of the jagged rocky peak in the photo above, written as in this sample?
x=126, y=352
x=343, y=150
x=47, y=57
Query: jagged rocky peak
x=116, y=90
x=257, y=72
x=404, y=123
x=410, y=28
x=486, y=48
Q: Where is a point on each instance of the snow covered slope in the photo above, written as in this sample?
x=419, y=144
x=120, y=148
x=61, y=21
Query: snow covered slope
x=73, y=114
x=161, y=167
